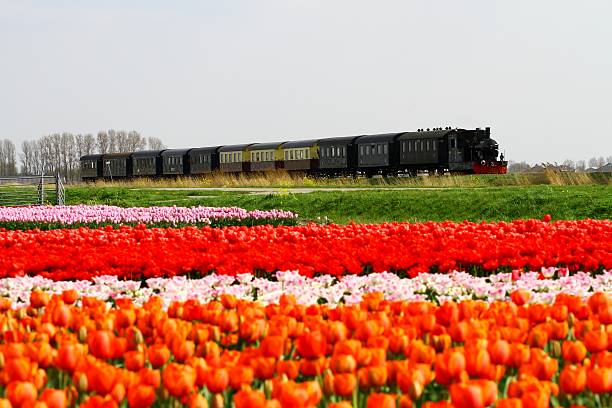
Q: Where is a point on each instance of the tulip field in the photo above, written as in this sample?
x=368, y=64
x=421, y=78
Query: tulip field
x=103, y=306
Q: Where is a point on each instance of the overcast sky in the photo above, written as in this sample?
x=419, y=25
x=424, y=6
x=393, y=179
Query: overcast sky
x=198, y=73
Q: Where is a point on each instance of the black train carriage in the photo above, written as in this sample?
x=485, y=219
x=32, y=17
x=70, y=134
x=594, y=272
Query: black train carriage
x=427, y=150
x=378, y=153
x=117, y=165
x=175, y=162
x=265, y=156
x=301, y=156
x=338, y=155
x=91, y=167
x=234, y=158
x=147, y=163
x=203, y=160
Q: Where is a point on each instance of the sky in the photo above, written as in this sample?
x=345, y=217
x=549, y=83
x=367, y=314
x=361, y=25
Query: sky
x=201, y=73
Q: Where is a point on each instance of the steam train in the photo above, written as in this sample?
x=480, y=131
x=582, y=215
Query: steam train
x=435, y=150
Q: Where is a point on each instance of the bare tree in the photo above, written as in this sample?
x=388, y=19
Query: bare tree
x=518, y=167
x=102, y=141
x=89, y=144
x=569, y=164
x=580, y=165
x=155, y=143
x=9, y=157
x=112, y=141
x=136, y=141
x=593, y=162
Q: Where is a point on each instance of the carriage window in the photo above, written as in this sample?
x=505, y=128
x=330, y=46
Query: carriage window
x=292, y=155
x=385, y=149
x=452, y=143
x=434, y=145
x=378, y=149
x=306, y=154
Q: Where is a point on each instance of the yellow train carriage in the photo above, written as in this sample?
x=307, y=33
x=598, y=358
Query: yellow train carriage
x=266, y=156
x=301, y=156
x=234, y=158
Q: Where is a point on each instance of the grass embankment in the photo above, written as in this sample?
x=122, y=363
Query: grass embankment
x=374, y=206
x=282, y=179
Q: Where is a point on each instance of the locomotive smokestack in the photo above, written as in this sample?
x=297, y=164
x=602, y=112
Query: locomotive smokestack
x=488, y=131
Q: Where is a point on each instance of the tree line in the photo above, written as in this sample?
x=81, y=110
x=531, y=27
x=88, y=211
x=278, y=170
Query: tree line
x=593, y=164
x=60, y=152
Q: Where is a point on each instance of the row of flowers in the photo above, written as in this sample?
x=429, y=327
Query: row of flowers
x=52, y=217
x=402, y=248
x=68, y=349
x=536, y=287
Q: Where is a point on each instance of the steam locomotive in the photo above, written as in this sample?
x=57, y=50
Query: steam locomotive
x=435, y=150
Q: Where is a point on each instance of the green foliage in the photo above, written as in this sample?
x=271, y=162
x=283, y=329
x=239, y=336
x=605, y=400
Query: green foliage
x=373, y=206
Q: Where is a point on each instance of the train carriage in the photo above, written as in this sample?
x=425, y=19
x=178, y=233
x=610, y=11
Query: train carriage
x=91, y=167
x=234, y=158
x=147, y=163
x=266, y=156
x=301, y=155
x=204, y=160
x=338, y=155
x=117, y=165
x=175, y=162
x=378, y=153
x=424, y=150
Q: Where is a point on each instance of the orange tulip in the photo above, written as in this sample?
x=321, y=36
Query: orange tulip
x=217, y=380
x=344, y=384
x=101, y=344
x=572, y=379
x=381, y=401
x=449, y=366
x=54, y=398
x=197, y=401
x=19, y=369
x=311, y=345
x=62, y=315
x=377, y=375
x=477, y=361
x=573, y=351
x=134, y=360
x=596, y=341
x=118, y=392
x=69, y=296
x=141, y=395
x=341, y=404
x=241, y=375
x=343, y=363
x=509, y=403
x=158, y=355
x=39, y=299
x=467, y=395
x=21, y=394
x=272, y=346
x=249, y=399
x=290, y=368
x=150, y=377
x=599, y=380
x=101, y=378
x=499, y=351
x=179, y=379
x=520, y=297
x=183, y=349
